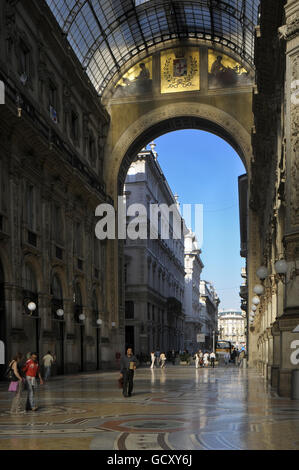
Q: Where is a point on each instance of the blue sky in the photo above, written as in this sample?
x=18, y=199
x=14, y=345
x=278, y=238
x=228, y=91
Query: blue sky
x=203, y=169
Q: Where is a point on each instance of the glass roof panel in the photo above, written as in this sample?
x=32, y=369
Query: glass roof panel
x=106, y=33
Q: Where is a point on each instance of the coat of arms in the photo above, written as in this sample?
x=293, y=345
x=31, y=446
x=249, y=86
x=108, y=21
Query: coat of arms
x=179, y=67
x=180, y=71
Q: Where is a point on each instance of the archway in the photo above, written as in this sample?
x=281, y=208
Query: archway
x=175, y=116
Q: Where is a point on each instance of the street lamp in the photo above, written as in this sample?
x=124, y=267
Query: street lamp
x=258, y=289
x=262, y=272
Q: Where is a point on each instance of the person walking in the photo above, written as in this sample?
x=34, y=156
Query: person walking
x=48, y=360
x=127, y=368
x=32, y=370
x=152, y=359
x=157, y=354
x=212, y=359
x=200, y=358
x=197, y=360
x=233, y=356
x=162, y=360
x=206, y=359
x=16, y=384
x=241, y=357
x=173, y=357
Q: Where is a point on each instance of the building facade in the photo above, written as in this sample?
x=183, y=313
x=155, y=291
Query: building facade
x=154, y=267
x=209, y=302
x=232, y=326
x=193, y=269
x=53, y=130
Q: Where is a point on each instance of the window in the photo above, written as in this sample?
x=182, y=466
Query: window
x=52, y=94
x=30, y=207
x=58, y=225
x=91, y=149
x=56, y=289
x=78, y=295
x=29, y=279
x=129, y=310
x=74, y=126
x=78, y=239
x=24, y=65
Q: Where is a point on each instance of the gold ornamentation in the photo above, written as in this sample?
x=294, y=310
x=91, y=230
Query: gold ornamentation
x=180, y=70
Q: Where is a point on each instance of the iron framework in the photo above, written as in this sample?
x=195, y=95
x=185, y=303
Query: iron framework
x=105, y=34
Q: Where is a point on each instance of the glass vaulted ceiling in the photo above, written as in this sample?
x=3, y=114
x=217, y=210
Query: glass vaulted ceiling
x=105, y=34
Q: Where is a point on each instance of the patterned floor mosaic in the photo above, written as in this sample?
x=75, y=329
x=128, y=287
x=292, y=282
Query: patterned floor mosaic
x=179, y=408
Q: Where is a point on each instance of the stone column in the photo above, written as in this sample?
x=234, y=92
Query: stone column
x=290, y=318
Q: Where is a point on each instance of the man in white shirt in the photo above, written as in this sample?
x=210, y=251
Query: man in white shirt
x=47, y=362
x=212, y=359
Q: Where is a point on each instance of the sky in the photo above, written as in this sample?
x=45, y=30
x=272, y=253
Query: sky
x=203, y=169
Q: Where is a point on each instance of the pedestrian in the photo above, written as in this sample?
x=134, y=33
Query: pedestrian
x=226, y=358
x=212, y=359
x=152, y=359
x=32, y=370
x=48, y=360
x=206, y=359
x=197, y=360
x=162, y=360
x=200, y=358
x=157, y=354
x=127, y=368
x=16, y=384
x=233, y=356
x=241, y=357
x=173, y=357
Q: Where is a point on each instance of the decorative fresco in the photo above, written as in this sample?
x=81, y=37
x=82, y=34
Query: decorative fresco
x=225, y=72
x=138, y=80
x=180, y=70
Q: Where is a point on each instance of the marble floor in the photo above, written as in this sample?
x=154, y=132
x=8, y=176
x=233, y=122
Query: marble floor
x=178, y=408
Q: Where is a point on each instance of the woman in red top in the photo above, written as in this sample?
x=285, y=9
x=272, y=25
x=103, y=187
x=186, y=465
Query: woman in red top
x=31, y=370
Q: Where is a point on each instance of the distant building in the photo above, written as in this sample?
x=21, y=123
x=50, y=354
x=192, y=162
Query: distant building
x=209, y=302
x=232, y=326
x=154, y=268
x=193, y=268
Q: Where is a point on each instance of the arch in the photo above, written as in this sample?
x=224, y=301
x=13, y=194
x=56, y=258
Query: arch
x=35, y=266
x=29, y=281
x=59, y=272
x=78, y=294
x=167, y=118
x=56, y=287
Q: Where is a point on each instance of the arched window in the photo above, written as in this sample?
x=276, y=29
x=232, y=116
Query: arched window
x=78, y=307
x=57, y=296
x=95, y=307
x=29, y=279
x=56, y=289
x=78, y=295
